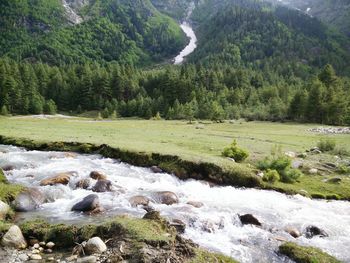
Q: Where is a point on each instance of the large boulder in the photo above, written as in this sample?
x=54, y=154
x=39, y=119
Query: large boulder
x=28, y=200
x=97, y=175
x=139, y=200
x=4, y=209
x=95, y=246
x=312, y=231
x=102, y=185
x=61, y=178
x=89, y=203
x=165, y=197
x=14, y=238
x=249, y=219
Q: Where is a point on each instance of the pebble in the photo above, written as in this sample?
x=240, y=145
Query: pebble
x=42, y=244
x=50, y=245
x=89, y=259
x=35, y=251
x=35, y=257
x=51, y=259
x=36, y=246
x=49, y=251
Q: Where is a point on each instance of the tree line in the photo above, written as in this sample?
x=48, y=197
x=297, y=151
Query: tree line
x=186, y=92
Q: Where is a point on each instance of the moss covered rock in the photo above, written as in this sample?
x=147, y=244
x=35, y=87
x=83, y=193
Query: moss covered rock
x=301, y=254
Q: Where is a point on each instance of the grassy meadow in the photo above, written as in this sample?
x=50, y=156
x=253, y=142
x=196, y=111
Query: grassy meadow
x=195, y=142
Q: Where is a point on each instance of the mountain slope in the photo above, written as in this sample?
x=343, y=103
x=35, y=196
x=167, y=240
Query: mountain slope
x=120, y=30
x=252, y=34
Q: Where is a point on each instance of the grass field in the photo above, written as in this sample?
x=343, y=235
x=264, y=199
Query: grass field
x=194, y=142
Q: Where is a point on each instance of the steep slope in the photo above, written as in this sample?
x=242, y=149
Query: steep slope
x=59, y=32
x=257, y=35
x=333, y=12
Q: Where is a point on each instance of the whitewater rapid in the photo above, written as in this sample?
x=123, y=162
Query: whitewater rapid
x=215, y=226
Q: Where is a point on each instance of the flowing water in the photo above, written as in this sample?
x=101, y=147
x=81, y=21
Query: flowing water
x=186, y=27
x=215, y=226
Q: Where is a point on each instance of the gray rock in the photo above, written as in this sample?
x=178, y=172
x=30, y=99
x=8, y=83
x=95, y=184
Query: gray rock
x=293, y=232
x=165, y=197
x=102, y=185
x=156, y=169
x=95, y=246
x=249, y=219
x=23, y=257
x=14, y=238
x=89, y=259
x=89, y=203
x=313, y=171
x=50, y=245
x=195, y=204
x=35, y=257
x=83, y=183
x=28, y=200
x=335, y=180
x=139, y=200
x=312, y=231
x=4, y=209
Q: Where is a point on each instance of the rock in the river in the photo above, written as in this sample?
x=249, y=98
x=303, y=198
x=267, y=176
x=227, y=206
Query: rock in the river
x=89, y=203
x=312, y=231
x=61, y=178
x=89, y=259
x=179, y=225
x=95, y=246
x=293, y=232
x=195, y=204
x=14, y=238
x=83, y=183
x=4, y=209
x=334, y=180
x=249, y=219
x=102, y=185
x=165, y=197
x=28, y=200
x=97, y=175
x=139, y=200
x=7, y=168
x=156, y=169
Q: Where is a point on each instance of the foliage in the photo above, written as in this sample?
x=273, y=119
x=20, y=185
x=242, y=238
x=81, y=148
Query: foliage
x=326, y=144
x=271, y=176
x=233, y=151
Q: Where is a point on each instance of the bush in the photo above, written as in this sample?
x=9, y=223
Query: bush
x=326, y=144
x=233, y=151
x=271, y=176
x=290, y=175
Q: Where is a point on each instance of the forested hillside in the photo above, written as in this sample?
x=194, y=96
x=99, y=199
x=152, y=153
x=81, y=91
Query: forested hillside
x=112, y=30
x=278, y=39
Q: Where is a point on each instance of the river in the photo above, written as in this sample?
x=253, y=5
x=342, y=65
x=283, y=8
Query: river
x=188, y=30
x=215, y=226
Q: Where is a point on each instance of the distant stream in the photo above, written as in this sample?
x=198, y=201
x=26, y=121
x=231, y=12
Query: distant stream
x=186, y=27
x=215, y=225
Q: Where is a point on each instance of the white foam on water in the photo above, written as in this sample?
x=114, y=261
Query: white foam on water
x=215, y=226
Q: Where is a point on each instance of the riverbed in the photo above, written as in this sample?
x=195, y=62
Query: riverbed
x=215, y=225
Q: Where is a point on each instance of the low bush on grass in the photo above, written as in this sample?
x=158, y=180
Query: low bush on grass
x=326, y=144
x=271, y=176
x=280, y=164
x=233, y=151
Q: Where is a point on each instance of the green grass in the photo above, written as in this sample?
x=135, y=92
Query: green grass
x=202, y=142
x=208, y=257
x=302, y=254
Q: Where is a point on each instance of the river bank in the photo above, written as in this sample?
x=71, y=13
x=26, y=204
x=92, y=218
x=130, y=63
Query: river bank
x=217, y=219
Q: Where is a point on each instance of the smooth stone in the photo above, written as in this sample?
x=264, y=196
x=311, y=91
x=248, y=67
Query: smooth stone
x=249, y=219
x=89, y=203
x=4, y=209
x=95, y=245
x=61, y=178
x=35, y=251
x=23, y=257
x=139, y=200
x=36, y=246
x=312, y=231
x=28, y=200
x=50, y=245
x=102, y=186
x=156, y=169
x=42, y=243
x=195, y=204
x=89, y=259
x=35, y=257
x=165, y=197
x=313, y=171
x=293, y=232
x=97, y=175
x=14, y=238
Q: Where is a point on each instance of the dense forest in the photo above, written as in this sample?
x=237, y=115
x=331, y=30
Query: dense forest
x=254, y=61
